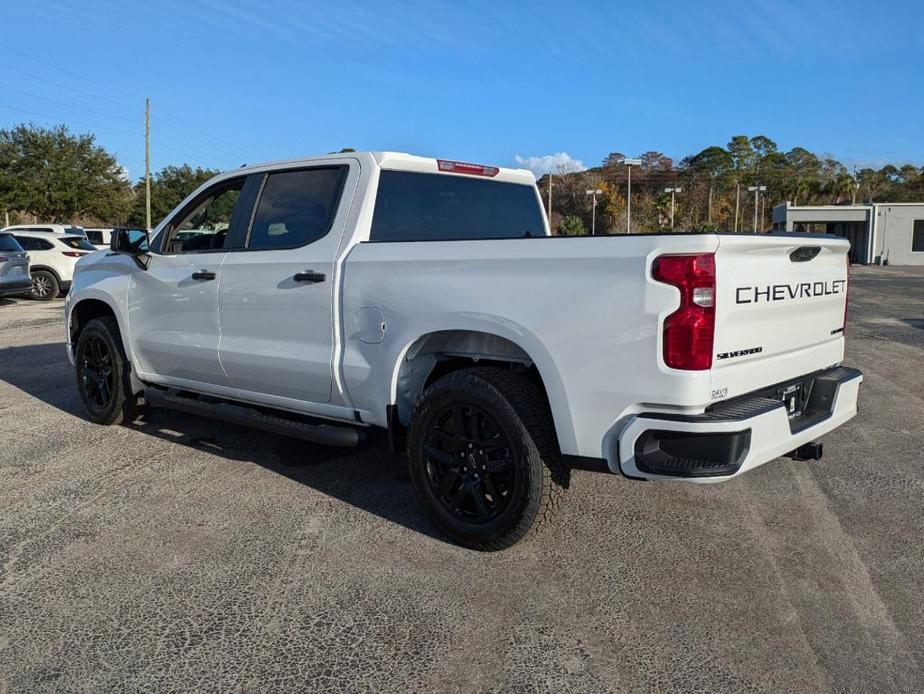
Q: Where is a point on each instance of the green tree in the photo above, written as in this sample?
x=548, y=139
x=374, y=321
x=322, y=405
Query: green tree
x=571, y=226
x=169, y=187
x=57, y=176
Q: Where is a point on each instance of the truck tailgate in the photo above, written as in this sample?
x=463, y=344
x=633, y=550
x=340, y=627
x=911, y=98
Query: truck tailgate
x=780, y=309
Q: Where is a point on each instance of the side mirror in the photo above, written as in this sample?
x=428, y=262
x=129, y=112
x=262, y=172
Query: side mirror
x=130, y=241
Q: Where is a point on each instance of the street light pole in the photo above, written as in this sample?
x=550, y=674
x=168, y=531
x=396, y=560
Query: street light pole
x=756, y=190
x=737, y=202
x=672, y=191
x=629, y=164
x=593, y=215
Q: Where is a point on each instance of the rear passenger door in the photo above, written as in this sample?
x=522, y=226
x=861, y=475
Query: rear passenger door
x=277, y=292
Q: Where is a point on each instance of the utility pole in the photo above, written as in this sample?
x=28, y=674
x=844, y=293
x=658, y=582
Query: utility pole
x=672, y=191
x=147, y=163
x=629, y=164
x=737, y=202
x=593, y=215
x=550, y=200
x=756, y=190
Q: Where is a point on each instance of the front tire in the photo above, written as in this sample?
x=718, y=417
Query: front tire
x=102, y=374
x=484, y=459
x=45, y=286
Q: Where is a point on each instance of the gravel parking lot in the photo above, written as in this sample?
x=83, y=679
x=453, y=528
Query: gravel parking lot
x=186, y=555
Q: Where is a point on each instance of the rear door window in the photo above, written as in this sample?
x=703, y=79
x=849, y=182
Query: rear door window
x=296, y=207
x=30, y=243
x=414, y=206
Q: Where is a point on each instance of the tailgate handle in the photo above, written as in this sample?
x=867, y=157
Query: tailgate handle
x=804, y=253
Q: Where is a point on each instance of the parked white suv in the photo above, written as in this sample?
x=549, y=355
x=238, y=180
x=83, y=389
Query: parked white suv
x=52, y=258
x=320, y=297
x=48, y=229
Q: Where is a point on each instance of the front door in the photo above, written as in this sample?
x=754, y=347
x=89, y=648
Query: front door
x=173, y=303
x=277, y=293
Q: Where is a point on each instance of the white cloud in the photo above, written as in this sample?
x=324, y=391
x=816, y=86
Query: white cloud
x=560, y=161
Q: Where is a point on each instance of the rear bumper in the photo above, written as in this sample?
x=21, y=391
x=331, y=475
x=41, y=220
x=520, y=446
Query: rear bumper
x=17, y=288
x=735, y=436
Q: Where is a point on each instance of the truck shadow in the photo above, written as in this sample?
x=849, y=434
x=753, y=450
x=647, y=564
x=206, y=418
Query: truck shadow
x=369, y=478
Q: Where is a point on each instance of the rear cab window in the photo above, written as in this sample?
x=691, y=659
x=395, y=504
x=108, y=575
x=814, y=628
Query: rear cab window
x=413, y=206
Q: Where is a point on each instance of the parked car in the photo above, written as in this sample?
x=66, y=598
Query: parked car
x=48, y=229
x=99, y=237
x=14, y=268
x=426, y=297
x=52, y=258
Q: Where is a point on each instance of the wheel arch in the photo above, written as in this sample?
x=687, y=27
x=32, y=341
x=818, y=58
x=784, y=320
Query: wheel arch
x=438, y=352
x=88, y=308
x=46, y=268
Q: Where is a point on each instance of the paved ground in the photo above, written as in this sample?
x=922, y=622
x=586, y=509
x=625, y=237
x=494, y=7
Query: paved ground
x=184, y=555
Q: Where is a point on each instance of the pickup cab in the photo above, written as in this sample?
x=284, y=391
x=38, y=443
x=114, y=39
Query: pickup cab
x=320, y=297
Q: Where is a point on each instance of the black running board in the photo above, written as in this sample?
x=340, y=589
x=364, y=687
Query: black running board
x=281, y=423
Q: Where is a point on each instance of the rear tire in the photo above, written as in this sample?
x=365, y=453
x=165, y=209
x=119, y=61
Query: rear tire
x=45, y=286
x=103, y=374
x=484, y=459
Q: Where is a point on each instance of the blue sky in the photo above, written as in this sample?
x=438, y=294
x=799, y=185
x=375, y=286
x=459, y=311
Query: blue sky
x=246, y=81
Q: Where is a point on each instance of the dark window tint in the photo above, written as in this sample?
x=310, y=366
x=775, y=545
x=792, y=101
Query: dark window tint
x=296, y=207
x=79, y=243
x=917, y=239
x=29, y=243
x=95, y=236
x=8, y=243
x=430, y=207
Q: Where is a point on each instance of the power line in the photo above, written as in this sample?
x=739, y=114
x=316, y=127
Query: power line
x=74, y=74
x=66, y=105
x=68, y=122
x=62, y=86
x=177, y=126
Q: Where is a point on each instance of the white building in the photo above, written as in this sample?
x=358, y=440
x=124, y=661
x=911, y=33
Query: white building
x=883, y=232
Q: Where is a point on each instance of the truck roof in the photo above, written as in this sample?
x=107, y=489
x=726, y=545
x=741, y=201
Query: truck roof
x=402, y=161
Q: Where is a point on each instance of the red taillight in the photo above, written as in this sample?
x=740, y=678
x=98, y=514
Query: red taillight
x=464, y=168
x=73, y=254
x=689, y=331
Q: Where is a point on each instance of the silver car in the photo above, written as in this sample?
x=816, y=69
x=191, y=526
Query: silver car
x=14, y=268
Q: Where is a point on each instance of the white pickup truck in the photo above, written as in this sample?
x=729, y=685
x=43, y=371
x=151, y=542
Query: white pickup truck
x=319, y=297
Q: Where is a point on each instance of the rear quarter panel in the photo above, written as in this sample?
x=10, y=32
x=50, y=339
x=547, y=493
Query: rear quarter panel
x=584, y=309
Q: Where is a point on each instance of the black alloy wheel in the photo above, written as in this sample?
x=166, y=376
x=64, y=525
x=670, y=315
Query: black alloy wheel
x=469, y=463
x=103, y=373
x=483, y=457
x=96, y=372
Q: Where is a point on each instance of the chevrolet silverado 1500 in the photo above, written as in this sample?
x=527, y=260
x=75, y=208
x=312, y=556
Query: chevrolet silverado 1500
x=319, y=297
